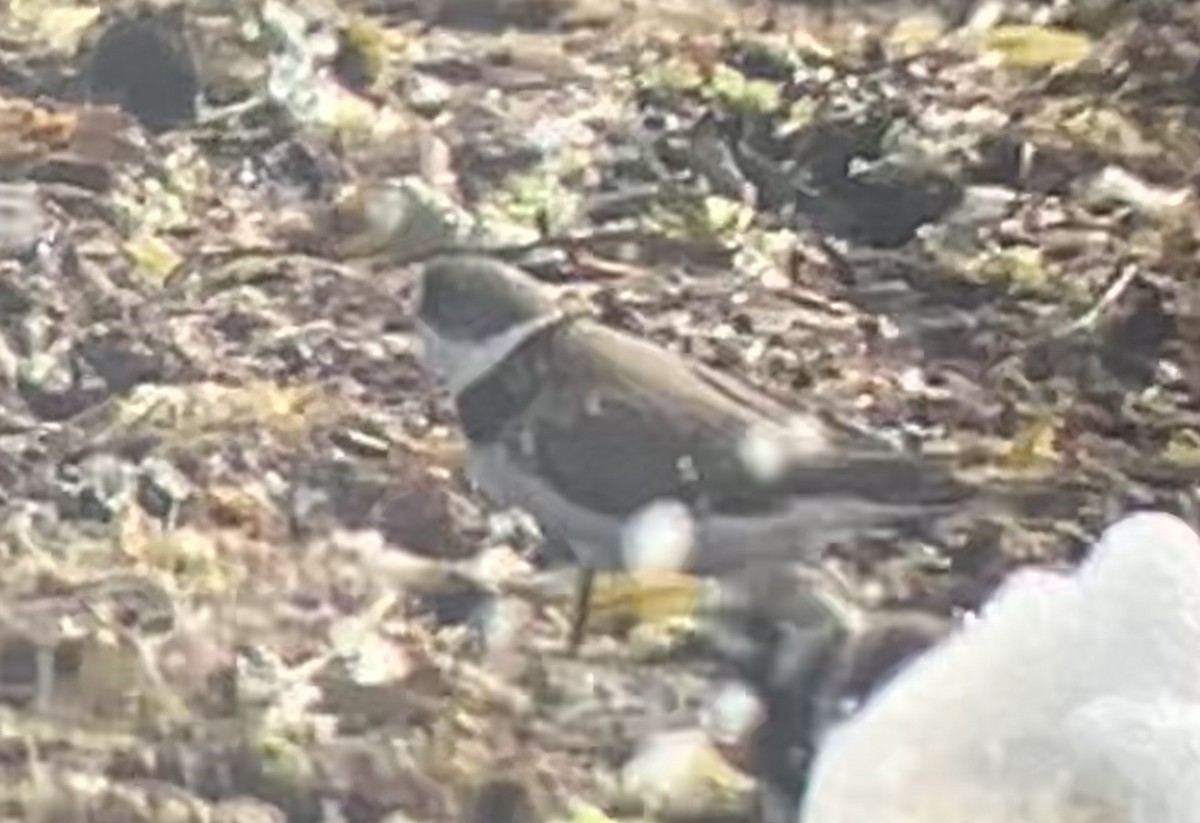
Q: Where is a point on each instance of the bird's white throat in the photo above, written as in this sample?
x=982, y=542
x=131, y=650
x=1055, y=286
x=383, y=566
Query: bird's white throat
x=459, y=363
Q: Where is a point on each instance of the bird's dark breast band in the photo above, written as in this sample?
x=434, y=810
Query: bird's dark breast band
x=489, y=404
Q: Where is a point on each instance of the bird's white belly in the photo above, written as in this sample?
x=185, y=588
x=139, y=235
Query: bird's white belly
x=594, y=538
x=798, y=532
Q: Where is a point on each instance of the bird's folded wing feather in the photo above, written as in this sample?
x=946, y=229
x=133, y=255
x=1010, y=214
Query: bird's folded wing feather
x=849, y=460
x=620, y=423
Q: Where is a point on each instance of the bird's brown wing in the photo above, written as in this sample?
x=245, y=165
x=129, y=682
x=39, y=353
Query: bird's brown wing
x=619, y=423
x=850, y=461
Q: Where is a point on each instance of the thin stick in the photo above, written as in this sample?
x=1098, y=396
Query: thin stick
x=1088, y=320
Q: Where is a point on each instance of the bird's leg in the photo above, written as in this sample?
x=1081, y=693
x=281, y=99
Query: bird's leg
x=554, y=550
x=619, y=600
x=581, y=608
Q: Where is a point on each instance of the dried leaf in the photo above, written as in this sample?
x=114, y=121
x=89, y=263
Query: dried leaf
x=109, y=671
x=189, y=555
x=236, y=507
x=58, y=25
x=103, y=134
x=22, y=121
x=202, y=407
x=405, y=217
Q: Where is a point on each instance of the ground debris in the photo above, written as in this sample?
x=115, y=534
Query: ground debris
x=245, y=578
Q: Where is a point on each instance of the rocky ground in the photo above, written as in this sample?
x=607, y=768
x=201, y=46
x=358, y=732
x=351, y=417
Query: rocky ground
x=242, y=569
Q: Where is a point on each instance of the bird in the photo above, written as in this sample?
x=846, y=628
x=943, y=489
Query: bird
x=640, y=458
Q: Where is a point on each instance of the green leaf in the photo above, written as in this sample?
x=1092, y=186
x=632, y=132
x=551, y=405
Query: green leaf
x=735, y=90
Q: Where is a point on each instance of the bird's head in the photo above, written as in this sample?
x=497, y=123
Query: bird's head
x=472, y=312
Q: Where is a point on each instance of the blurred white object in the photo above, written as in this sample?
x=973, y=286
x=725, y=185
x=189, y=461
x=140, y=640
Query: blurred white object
x=1072, y=699
x=1113, y=184
x=660, y=536
x=733, y=714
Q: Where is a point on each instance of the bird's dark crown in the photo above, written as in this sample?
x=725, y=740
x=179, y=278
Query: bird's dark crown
x=473, y=298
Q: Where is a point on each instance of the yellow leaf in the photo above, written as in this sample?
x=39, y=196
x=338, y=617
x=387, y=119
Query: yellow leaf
x=1037, y=46
x=134, y=531
x=366, y=44
x=1022, y=268
x=676, y=74
x=643, y=597
x=59, y=26
x=801, y=113
x=1110, y=131
x=583, y=813
x=914, y=34
x=1183, y=449
x=153, y=255
x=1033, y=446
x=356, y=117
x=724, y=215
x=189, y=554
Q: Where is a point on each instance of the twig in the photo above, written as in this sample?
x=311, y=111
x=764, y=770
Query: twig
x=1085, y=322
x=1088, y=320
x=219, y=115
